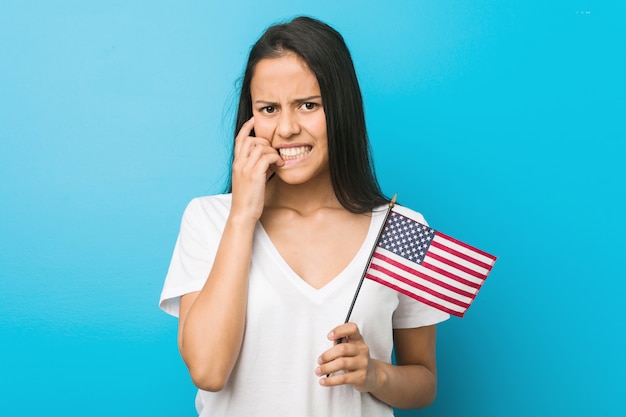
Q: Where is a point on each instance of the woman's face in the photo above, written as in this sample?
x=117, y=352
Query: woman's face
x=288, y=111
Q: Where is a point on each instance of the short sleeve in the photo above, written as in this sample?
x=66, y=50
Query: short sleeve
x=194, y=253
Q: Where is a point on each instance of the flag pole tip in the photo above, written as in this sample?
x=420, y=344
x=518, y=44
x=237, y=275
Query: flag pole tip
x=393, y=200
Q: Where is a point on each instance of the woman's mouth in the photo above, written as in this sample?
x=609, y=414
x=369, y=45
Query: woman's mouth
x=296, y=152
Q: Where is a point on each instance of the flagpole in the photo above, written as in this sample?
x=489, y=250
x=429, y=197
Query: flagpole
x=380, y=232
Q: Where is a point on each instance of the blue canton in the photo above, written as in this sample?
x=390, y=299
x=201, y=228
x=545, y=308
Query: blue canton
x=406, y=238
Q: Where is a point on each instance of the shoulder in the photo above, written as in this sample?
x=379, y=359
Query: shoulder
x=409, y=213
x=207, y=212
x=379, y=214
x=210, y=201
x=199, y=206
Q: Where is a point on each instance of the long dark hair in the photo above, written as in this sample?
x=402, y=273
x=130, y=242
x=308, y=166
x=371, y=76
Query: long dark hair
x=327, y=56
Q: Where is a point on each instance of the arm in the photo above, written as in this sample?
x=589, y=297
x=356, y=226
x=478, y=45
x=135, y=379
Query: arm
x=412, y=383
x=211, y=321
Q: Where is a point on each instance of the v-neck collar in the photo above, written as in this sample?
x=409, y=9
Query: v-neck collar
x=352, y=270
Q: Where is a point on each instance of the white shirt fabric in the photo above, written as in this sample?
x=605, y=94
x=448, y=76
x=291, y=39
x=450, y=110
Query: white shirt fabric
x=287, y=322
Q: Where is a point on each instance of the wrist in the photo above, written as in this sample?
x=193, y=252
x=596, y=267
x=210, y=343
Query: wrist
x=381, y=376
x=242, y=218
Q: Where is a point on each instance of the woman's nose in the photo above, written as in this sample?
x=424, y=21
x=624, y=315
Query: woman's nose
x=287, y=124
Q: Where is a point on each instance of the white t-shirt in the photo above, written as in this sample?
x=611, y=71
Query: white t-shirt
x=287, y=322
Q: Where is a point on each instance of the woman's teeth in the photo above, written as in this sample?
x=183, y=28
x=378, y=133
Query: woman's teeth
x=294, y=153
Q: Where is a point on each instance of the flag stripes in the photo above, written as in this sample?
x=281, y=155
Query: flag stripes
x=436, y=292
x=440, y=283
x=427, y=265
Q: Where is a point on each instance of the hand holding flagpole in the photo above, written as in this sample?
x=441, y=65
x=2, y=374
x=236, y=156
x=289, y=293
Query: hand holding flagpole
x=424, y=264
x=358, y=288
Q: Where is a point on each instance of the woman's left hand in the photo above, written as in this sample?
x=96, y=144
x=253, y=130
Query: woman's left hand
x=348, y=361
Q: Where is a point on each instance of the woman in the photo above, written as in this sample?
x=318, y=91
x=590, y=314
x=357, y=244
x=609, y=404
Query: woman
x=262, y=277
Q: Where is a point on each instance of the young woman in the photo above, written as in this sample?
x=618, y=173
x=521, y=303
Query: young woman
x=262, y=277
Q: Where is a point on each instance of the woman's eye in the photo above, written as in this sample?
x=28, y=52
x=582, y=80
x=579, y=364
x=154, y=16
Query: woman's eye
x=309, y=106
x=268, y=109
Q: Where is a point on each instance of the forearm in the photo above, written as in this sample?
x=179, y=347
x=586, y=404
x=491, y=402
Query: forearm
x=405, y=386
x=212, y=331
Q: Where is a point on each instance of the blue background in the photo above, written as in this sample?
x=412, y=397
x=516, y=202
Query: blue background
x=502, y=122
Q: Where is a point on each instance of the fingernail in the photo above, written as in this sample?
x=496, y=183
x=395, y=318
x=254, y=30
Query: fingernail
x=318, y=371
x=331, y=335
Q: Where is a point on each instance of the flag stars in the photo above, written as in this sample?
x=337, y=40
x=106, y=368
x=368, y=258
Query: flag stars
x=406, y=237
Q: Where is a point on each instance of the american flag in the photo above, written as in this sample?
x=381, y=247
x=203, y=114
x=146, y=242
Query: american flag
x=427, y=265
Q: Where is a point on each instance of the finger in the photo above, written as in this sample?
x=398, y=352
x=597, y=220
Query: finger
x=250, y=150
x=348, y=332
x=244, y=132
x=341, y=378
x=336, y=353
x=279, y=162
x=259, y=162
x=342, y=366
x=250, y=143
x=257, y=148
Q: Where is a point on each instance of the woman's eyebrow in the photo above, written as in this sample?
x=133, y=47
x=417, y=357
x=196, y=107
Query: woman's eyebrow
x=298, y=100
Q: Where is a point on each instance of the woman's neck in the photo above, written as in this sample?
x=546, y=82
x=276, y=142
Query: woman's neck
x=303, y=198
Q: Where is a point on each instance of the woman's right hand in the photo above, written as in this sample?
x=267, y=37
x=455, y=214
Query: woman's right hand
x=252, y=166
